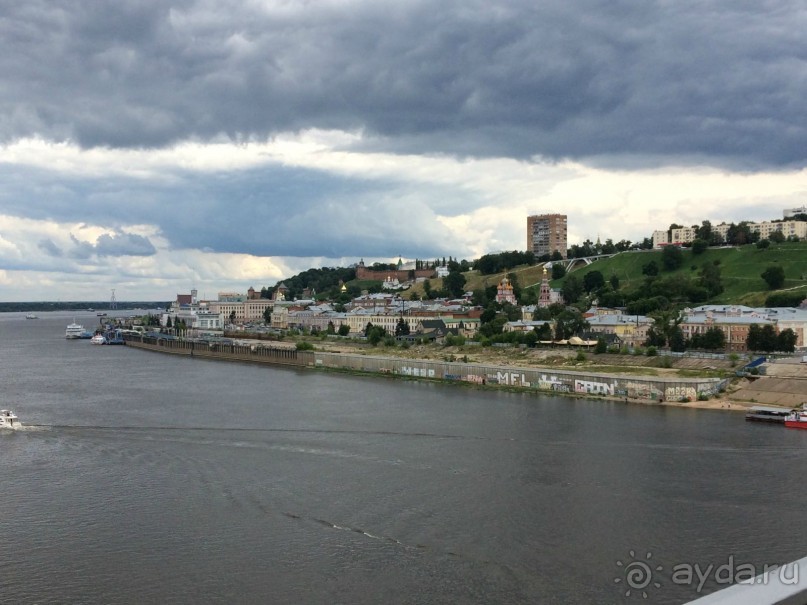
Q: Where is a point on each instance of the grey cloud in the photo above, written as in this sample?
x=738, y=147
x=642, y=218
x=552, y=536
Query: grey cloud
x=81, y=250
x=720, y=82
x=124, y=244
x=118, y=244
x=49, y=248
x=273, y=211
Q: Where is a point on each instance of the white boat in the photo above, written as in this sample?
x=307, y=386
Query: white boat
x=98, y=339
x=8, y=420
x=74, y=331
x=31, y=316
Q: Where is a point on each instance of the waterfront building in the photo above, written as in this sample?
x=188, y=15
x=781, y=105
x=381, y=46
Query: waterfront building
x=630, y=330
x=546, y=234
x=736, y=321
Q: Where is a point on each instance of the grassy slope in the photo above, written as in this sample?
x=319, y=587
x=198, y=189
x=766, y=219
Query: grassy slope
x=740, y=268
x=527, y=276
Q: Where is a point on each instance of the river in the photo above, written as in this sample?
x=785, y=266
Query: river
x=148, y=478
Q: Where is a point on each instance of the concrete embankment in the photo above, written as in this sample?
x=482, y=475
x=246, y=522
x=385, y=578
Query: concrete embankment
x=649, y=389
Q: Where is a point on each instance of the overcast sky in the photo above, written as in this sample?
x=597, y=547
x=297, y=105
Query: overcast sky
x=155, y=146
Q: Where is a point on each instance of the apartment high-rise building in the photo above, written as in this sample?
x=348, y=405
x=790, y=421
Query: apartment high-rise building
x=546, y=233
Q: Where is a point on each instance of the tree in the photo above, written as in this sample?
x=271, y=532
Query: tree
x=569, y=323
x=710, y=279
x=556, y=255
x=544, y=332
x=777, y=237
x=558, y=271
x=427, y=288
x=593, y=280
x=650, y=268
x=343, y=330
x=763, y=243
x=774, y=276
x=614, y=281
x=454, y=282
x=601, y=347
x=761, y=338
x=571, y=289
x=232, y=317
x=786, y=341
x=699, y=246
x=655, y=338
x=677, y=341
x=331, y=328
x=267, y=315
x=402, y=327
x=667, y=325
x=672, y=258
x=713, y=339
x=704, y=232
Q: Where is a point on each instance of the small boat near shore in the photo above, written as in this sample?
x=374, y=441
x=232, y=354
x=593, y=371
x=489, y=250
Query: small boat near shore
x=32, y=316
x=98, y=339
x=8, y=420
x=797, y=419
x=766, y=413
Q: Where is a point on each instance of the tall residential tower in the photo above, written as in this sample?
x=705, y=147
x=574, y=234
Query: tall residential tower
x=546, y=233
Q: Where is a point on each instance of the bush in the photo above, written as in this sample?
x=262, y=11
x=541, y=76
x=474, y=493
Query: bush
x=638, y=351
x=703, y=397
x=651, y=351
x=580, y=356
x=304, y=346
x=665, y=362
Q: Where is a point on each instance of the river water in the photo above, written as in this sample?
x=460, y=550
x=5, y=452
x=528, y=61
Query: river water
x=147, y=478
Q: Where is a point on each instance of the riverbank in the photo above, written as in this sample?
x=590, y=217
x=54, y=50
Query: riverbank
x=576, y=382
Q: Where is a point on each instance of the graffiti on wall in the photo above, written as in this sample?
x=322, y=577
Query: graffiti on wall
x=422, y=372
x=679, y=393
x=592, y=386
x=553, y=383
x=513, y=379
x=641, y=390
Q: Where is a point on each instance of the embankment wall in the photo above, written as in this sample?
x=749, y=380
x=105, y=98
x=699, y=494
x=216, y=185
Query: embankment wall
x=540, y=379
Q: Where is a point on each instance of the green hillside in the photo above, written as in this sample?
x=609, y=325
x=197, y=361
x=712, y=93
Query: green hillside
x=740, y=268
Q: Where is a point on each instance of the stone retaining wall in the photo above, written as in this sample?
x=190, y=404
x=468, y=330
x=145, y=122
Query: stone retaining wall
x=540, y=379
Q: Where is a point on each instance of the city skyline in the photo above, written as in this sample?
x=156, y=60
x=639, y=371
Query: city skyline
x=153, y=148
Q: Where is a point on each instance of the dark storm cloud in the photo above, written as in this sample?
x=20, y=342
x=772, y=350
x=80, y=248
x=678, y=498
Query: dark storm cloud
x=274, y=211
x=721, y=81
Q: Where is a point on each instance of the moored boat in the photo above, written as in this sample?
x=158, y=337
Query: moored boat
x=98, y=339
x=797, y=419
x=74, y=331
x=32, y=316
x=8, y=420
x=765, y=413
